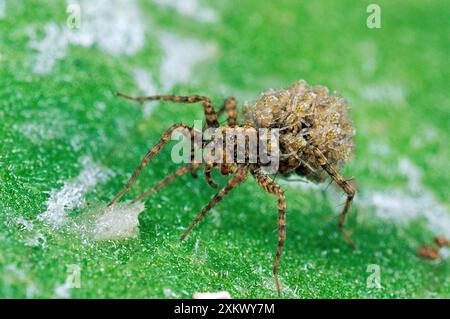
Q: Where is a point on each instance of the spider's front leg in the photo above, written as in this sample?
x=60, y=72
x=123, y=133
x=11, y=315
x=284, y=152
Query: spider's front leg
x=147, y=158
x=346, y=187
x=193, y=169
x=210, y=113
x=179, y=172
x=270, y=186
x=238, y=178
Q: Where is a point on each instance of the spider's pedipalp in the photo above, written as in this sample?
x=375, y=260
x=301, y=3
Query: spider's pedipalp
x=270, y=186
x=210, y=114
x=230, y=107
x=152, y=152
x=238, y=178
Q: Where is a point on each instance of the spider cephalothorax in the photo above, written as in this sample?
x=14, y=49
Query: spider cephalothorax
x=315, y=139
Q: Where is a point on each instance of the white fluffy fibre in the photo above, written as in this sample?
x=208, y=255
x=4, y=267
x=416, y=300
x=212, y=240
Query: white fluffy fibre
x=37, y=132
x=146, y=85
x=415, y=202
x=385, y=92
x=190, y=8
x=71, y=195
x=445, y=252
x=36, y=239
x=12, y=275
x=300, y=183
x=2, y=8
x=24, y=223
x=118, y=221
x=50, y=49
x=144, y=82
x=62, y=291
x=115, y=26
x=181, y=55
x=212, y=295
x=412, y=173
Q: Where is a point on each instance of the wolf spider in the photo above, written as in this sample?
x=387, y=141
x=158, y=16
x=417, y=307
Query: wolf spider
x=316, y=139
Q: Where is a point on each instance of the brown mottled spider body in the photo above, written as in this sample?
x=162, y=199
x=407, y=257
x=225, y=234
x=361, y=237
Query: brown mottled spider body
x=315, y=141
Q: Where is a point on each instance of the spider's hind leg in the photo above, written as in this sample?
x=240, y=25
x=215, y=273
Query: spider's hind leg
x=208, y=176
x=270, y=186
x=346, y=187
x=210, y=113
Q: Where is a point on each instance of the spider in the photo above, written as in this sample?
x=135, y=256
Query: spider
x=316, y=139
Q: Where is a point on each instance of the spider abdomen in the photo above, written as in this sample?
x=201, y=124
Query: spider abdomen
x=307, y=117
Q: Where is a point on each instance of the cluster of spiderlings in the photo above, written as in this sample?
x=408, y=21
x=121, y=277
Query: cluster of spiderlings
x=307, y=116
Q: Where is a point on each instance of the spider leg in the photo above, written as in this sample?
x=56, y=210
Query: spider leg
x=230, y=107
x=240, y=176
x=270, y=186
x=152, y=152
x=194, y=173
x=210, y=114
x=179, y=172
x=346, y=187
x=193, y=168
x=208, y=177
x=221, y=110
